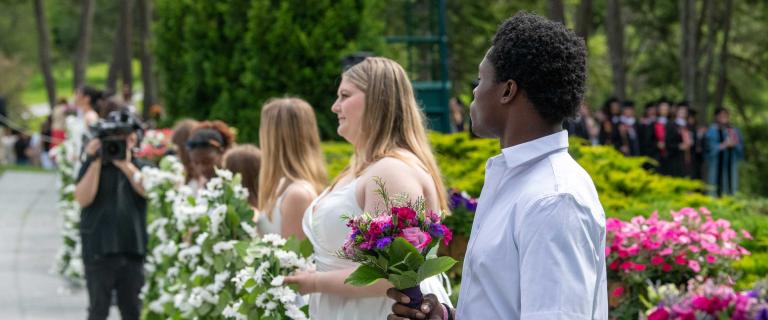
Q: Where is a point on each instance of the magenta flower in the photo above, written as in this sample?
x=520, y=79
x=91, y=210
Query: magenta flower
x=416, y=237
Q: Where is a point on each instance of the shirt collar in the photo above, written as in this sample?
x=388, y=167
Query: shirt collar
x=517, y=155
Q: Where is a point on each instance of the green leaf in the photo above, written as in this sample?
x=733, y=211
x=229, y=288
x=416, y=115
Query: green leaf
x=218, y=263
x=292, y=244
x=241, y=247
x=406, y=280
x=402, y=251
x=306, y=249
x=364, y=276
x=432, y=267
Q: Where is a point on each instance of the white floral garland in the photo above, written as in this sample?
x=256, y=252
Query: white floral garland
x=69, y=262
x=203, y=249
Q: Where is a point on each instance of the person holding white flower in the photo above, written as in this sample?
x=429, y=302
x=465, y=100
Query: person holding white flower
x=378, y=114
x=292, y=171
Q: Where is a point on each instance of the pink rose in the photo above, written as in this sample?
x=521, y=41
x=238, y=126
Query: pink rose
x=711, y=259
x=416, y=237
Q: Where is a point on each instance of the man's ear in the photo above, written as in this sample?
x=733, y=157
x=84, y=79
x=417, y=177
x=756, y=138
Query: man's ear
x=510, y=91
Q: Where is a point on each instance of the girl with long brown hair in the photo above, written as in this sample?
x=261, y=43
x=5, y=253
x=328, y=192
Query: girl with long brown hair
x=292, y=172
x=379, y=116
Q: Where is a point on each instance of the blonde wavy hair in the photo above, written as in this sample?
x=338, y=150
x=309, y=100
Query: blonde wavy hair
x=290, y=149
x=391, y=120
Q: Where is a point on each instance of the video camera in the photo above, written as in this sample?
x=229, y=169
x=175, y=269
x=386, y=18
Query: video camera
x=113, y=132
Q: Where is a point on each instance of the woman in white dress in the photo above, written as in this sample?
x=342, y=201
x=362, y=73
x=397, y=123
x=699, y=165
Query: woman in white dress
x=292, y=169
x=379, y=116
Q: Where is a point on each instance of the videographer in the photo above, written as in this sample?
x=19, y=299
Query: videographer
x=114, y=217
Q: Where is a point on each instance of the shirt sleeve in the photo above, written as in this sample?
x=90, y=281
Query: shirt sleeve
x=562, y=260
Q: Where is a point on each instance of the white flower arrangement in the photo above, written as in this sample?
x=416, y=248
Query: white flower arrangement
x=69, y=262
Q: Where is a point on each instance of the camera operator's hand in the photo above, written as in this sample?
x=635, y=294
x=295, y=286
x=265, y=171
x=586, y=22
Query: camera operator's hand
x=125, y=162
x=93, y=147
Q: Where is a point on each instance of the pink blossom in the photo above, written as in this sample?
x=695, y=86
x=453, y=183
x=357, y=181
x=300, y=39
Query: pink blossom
x=681, y=260
x=617, y=292
x=711, y=259
x=639, y=267
x=694, y=265
x=659, y=313
x=746, y=234
x=416, y=237
x=666, y=267
x=694, y=249
x=666, y=252
x=657, y=260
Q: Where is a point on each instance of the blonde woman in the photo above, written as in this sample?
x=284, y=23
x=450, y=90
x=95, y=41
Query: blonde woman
x=379, y=116
x=292, y=170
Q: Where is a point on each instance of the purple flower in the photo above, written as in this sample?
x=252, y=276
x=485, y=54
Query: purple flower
x=436, y=230
x=471, y=205
x=383, y=242
x=762, y=314
x=456, y=200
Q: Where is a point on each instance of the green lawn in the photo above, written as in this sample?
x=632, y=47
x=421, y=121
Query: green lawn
x=96, y=75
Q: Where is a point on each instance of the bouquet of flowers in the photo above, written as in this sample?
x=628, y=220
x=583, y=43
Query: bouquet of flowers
x=397, y=244
x=707, y=300
x=155, y=144
x=259, y=289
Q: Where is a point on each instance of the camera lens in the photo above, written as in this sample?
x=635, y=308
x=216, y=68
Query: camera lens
x=113, y=149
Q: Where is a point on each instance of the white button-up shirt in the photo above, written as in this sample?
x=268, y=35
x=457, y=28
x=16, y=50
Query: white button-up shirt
x=537, y=249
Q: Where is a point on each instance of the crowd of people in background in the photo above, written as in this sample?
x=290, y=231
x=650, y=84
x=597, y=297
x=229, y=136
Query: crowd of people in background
x=669, y=134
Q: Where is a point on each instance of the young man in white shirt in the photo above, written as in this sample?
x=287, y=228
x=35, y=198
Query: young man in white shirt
x=537, y=248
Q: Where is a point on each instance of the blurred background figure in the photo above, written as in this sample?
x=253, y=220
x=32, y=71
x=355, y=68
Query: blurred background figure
x=725, y=149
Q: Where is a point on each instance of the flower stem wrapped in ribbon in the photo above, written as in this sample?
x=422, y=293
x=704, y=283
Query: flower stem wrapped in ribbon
x=398, y=244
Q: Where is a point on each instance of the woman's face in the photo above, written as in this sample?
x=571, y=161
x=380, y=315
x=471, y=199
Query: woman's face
x=204, y=161
x=349, y=107
x=82, y=100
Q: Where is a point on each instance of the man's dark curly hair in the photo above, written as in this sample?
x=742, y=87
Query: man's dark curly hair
x=545, y=59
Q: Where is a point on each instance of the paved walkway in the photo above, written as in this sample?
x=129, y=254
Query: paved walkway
x=29, y=239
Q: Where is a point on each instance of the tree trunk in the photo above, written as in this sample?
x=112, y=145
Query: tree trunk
x=701, y=97
x=120, y=52
x=557, y=10
x=126, y=17
x=145, y=15
x=45, y=52
x=83, y=43
x=584, y=20
x=722, y=79
x=688, y=61
x=615, y=31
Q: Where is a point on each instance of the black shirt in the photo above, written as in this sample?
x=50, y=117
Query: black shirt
x=116, y=221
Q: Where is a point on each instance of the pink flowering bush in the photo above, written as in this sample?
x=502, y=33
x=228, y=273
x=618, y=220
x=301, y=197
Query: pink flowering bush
x=691, y=244
x=707, y=300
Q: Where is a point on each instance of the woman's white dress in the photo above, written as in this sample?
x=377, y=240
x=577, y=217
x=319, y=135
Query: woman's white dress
x=326, y=230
